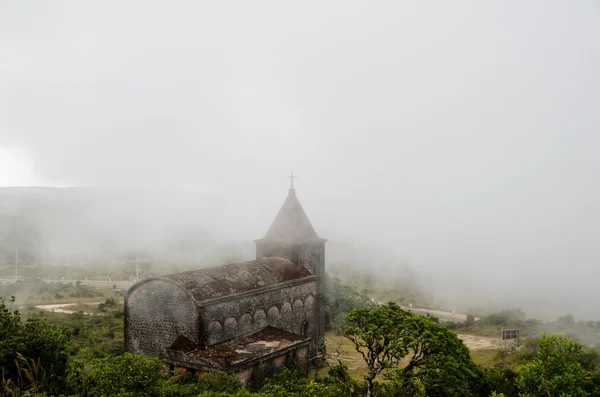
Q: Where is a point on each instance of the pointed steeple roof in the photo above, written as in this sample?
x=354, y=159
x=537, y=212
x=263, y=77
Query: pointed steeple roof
x=291, y=225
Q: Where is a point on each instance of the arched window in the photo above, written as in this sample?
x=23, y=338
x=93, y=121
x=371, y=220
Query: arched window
x=304, y=330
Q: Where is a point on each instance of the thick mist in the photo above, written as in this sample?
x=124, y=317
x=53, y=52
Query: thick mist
x=458, y=139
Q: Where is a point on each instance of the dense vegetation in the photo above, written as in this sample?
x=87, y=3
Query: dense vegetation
x=413, y=350
x=404, y=354
x=36, y=290
x=33, y=354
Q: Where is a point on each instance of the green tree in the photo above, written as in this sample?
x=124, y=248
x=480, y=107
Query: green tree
x=381, y=336
x=502, y=381
x=511, y=317
x=219, y=381
x=387, y=334
x=442, y=361
x=555, y=371
x=126, y=375
x=470, y=320
x=33, y=353
x=339, y=300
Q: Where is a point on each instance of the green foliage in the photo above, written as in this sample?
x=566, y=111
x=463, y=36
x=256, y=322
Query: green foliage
x=502, y=381
x=32, y=353
x=505, y=318
x=585, y=332
x=555, y=371
x=432, y=318
x=285, y=383
x=219, y=381
x=290, y=383
x=137, y=375
x=339, y=300
x=84, y=291
x=172, y=388
x=381, y=336
x=401, y=386
x=340, y=383
x=452, y=325
x=126, y=375
x=110, y=303
x=35, y=289
x=386, y=335
x=443, y=362
x=338, y=324
x=589, y=358
x=92, y=337
x=470, y=320
x=413, y=354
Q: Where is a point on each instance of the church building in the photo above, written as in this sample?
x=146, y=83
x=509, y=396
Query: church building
x=248, y=319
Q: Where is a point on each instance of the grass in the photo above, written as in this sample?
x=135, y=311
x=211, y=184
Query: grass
x=487, y=357
x=342, y=349
x=492, y=331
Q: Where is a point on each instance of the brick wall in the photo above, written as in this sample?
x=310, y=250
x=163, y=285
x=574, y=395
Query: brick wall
x=254, y=376
x=287, y=308
x=156, y=313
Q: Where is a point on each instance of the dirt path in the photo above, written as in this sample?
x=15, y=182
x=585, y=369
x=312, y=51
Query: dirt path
x=67, y=308
x=474, y=342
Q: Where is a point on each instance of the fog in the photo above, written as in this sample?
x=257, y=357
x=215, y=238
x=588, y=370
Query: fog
x=457, y=138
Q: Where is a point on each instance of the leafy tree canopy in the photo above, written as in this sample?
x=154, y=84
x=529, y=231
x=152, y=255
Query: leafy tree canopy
x=413, y=347
x=555, y=371
x=33, y=354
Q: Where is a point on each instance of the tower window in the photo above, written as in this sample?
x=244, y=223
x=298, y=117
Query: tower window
x=304, y=330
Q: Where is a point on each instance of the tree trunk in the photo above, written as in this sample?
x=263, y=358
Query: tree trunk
x=369, y=386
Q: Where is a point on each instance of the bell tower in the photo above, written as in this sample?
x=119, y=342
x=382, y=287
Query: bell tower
x=292, y=236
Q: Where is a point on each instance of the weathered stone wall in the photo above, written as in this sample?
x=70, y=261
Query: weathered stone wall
x=290, y=308
x=311, y=255
x=254, y=376
x=156, y=313
x=315, y=253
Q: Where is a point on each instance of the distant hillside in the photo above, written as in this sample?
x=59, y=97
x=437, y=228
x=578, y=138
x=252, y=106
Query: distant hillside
x=104, y=225
x=80, y=222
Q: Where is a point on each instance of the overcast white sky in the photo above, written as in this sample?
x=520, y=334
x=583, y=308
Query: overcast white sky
x=460, y=135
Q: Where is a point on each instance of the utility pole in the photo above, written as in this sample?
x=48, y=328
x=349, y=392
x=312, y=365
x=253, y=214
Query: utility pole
x=16, y=263
x=137, y=266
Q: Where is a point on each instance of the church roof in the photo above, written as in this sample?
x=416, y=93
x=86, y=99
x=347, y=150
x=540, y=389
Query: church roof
x=291, y=225
x=229, y=356
x=216, y=282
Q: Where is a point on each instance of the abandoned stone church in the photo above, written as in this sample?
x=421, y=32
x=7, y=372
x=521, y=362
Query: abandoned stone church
x=249, y=319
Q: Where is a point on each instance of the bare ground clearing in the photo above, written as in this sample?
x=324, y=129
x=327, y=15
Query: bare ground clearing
x=340, y=348
x=475, y=342
x=66, y=308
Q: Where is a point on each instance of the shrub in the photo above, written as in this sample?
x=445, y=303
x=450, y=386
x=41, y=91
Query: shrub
x=126, y=375
x=32, y=346
x=219, y=381
x=470, y=320
x=555, y=370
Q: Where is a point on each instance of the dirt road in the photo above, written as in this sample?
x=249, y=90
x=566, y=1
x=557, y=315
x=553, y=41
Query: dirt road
x=67, y=308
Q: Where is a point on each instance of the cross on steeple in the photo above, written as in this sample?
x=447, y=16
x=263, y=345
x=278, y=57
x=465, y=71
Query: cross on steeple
x=292, y=177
